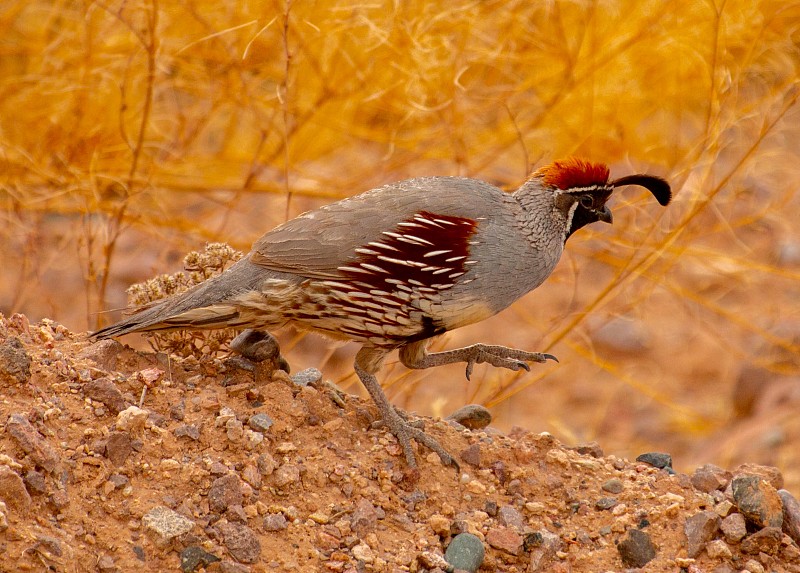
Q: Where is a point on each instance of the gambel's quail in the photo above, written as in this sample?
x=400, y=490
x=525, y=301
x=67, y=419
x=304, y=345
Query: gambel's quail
x=398, y=265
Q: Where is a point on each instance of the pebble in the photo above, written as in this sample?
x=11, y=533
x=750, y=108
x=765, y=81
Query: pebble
x=718, y=549
x=791, y=515
x=734, y=528
x=35, y=482
x=166, y=524
x=15, y=364
x=754, y=566
x=658, y=460
x=613, y=486
x=188, y=431
x=363, y=552
x=307, y=377
x=364, y=518
x=234, y=430
x=758, y=501
x=255, y=345
x=105, y=391
x=260, y=422
x=275, y=522
x=543, y=546
x=193, y=557
x=769, y=473
x=589, y=449
x=471, y=455
x=700, y=529
x=510, y=517
x=768, y=541
x=472, y=416
x=439, y=524
x=131, y=419
x=505, y=539
x=241, y=542
x=251, y=475
x=465, y=552
x=605, y=503
x=12, y=490
x=636, y=549
x=286, y=475
x=225, y=491
x=708, y=478
x=30, y=441
x=118, y=447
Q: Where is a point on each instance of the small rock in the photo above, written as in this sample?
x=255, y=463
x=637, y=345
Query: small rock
x=791, y=515
x=510, y=517
x=241, y=542
x=768, y=541
x=718, y=549
x=757, y=500
x=234, y=430
x=256, y=345
x=131, y=419
x=613, y=486
x=472, y=455
x=12, y=490
x=605, y=503
x=118, y=447
x=193, y=557
x=657, y=460
x=106, y=564
x=700, y=529
x=286, y=475
x=432, y=561
x=266, y=464
x=734, y=528
x=50, y=545
x=30, y=441
x=166, y=524
x=363, y=552
x=15, y=364
x=118, y=480
x=543, y=547
x=260, y=422
x=105, y=391
x=187, y=431
x=472, y=416
x=589, y=449
x=724, y=508
x=178, y=411
x=708, y=478
x=275, y=522
x=225, y=491
x=754, y=566
x=35, y=482
x=465, y=552
x=307, y=377
x=439, y=524
x=770, y=474
x=252, y=476
x=505, y=539
x=636, y=549
x=364, y=518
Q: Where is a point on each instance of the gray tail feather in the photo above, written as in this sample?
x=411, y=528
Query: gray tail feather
x=241, y=277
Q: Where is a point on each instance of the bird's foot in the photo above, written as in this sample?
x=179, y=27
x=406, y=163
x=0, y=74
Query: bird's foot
x=503, y=357
x=405, y=431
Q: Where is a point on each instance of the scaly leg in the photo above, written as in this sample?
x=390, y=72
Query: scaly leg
x=415, y=356
x=368, y=361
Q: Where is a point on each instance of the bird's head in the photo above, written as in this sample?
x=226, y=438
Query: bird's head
x=580, y=190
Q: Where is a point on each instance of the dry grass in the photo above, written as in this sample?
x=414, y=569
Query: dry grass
x=132, y=132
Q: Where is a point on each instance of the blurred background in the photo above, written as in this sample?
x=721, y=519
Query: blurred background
x=133, y=132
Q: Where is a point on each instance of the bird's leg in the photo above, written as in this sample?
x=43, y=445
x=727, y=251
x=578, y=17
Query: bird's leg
x=368, y=361
x=260, y=351
x=416, y=356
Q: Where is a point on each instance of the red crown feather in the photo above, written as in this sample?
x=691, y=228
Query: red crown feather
x=573, y=172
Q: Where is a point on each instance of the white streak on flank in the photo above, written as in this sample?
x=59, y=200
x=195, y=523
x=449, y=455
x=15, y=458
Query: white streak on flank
x=415, y=282
x=436, y=253
x=409, y=224
x=455, y=275
x=414, y=240
x=473, y=242
x=422, y=219
x=441, y=286
x=377, y=292
x=364, y=251
x=375, y=268
x=443, y=222
x=353, y=270
x=392, y=234
x=336, y=285
x=428, y=269
x=378, y=245
x=454, y=259
x=442, y=270
x=395, y=261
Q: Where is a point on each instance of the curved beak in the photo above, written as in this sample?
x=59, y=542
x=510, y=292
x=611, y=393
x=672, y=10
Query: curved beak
x=605, y=215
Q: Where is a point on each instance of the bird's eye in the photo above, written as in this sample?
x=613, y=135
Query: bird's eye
x=587, y=201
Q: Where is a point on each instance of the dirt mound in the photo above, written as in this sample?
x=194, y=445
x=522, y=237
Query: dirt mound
x=116, y=460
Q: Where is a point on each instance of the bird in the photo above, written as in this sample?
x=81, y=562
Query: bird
x=398, y=265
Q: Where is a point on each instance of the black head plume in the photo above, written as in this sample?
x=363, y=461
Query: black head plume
x=656, y=185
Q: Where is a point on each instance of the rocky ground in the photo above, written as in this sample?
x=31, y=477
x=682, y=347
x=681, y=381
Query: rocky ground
x=118, y=460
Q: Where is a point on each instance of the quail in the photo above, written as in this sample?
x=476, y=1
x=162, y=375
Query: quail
x=394, y=267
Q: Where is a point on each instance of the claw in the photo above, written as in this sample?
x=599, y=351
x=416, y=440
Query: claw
x=549, y=357
x=524, y=365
